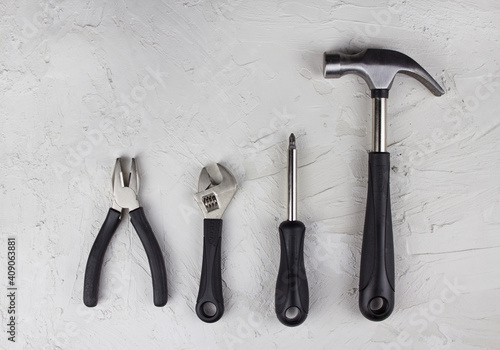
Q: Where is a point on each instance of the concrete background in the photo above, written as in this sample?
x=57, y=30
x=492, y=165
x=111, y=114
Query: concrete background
x=180, y=84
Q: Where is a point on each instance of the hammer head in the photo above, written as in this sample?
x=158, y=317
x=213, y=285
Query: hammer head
x=378, y=68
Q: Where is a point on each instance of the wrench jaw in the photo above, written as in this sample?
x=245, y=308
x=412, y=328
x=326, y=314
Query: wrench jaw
x=214, y=195
x=125, y=189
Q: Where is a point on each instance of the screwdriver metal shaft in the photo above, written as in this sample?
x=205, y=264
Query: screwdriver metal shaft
x=292, y=179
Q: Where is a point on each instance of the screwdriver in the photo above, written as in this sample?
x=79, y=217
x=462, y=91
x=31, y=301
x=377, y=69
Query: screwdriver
x=292, y=291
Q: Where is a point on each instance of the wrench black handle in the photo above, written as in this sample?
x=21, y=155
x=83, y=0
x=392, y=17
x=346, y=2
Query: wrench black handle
x=96, y=257
x=376, y=280
x=292, y=290
x=210, y=302
x=154, y=254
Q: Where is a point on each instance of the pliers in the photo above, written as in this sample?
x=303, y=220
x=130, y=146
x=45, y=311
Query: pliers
x=125, y=192
x=216, y=186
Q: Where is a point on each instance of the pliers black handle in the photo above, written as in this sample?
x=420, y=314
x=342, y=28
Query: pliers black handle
x=151, y=246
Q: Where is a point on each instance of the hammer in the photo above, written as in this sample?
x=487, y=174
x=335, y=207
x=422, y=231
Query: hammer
x=378, y=68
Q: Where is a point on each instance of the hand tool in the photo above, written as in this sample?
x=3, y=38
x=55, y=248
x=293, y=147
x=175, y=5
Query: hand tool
x=216, y=187
x=378, y=68
x=125, y=192
x=292, y=291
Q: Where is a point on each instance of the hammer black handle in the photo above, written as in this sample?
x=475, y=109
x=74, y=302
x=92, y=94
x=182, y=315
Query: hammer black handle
x=376, y=280
x=210, y=302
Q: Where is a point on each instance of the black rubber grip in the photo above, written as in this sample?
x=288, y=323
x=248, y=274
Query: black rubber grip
x=376, y=280
x=96, y=257
x=210, y=303
x=292, y=291
x=154, y=254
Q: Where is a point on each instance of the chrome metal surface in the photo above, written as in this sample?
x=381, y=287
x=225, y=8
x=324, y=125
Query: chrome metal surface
x=134, y=180
x=125, y=189
x=292, y=179
x=379, y=136
x=217, y=187
x=378, y=68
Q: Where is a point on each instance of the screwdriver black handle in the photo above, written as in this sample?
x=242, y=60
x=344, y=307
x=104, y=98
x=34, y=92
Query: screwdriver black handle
x=292, y=291
x=210, y=303
x=376, y=280
x=96, y=257
x=154, y=254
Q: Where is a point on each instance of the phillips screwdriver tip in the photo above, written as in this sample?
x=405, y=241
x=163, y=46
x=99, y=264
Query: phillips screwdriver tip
x=291, y=143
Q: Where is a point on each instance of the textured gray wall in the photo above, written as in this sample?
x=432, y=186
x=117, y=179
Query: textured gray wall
x=180, y=84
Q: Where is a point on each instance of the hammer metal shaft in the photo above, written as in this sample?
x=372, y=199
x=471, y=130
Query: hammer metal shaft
x=379, y=112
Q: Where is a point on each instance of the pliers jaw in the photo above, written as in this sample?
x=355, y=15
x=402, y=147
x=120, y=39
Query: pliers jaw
x=216, y=186
x=125, y=188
